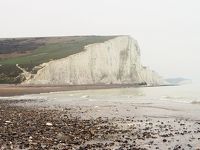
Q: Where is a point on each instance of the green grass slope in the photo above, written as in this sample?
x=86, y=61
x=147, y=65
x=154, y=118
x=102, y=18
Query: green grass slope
x=30, y=52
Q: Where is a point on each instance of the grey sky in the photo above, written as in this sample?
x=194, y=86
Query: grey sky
x=168, y=31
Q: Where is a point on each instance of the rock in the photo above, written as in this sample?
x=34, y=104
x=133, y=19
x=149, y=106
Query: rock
x=61, y=136
x=116, y=61
x=189, y=145
x=164, y=140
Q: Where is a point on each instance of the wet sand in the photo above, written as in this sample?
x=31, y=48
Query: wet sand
x=13, y=90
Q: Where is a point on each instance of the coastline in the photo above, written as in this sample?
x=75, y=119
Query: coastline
x=16, y=90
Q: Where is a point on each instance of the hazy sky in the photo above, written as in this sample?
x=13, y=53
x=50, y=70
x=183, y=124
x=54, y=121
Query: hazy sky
x=168, y=31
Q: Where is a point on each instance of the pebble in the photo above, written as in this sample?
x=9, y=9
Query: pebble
x=49, y=124
x=7, y=121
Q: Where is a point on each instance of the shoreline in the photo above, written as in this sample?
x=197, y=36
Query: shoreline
x=17, y=90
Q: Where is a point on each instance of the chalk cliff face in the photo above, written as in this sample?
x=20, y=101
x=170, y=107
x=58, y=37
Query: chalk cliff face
x=116, y=61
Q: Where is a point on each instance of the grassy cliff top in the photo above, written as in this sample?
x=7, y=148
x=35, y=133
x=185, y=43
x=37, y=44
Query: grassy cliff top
x=39, y=50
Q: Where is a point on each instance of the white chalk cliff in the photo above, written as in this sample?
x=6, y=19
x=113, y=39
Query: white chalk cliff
x=116, y=61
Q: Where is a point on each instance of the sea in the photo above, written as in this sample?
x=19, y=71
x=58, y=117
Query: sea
x=168, y=101
x=189, y=93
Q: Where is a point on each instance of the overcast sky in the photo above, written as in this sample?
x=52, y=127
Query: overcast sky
x=168, y=31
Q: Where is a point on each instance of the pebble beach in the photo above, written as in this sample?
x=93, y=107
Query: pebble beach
x=69, y=120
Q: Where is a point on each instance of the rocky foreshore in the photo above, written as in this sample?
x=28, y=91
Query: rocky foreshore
x=31, y=128
x=41, y=128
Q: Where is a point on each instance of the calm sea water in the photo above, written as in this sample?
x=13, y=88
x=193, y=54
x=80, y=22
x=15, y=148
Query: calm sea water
x=186, y=94
x=183, y=94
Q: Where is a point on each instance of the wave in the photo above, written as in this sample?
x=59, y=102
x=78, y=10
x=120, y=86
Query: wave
x=85, y=96
x=173, y=97
x=181, y=99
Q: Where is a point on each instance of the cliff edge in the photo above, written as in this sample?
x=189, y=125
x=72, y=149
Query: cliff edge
x=115, y=61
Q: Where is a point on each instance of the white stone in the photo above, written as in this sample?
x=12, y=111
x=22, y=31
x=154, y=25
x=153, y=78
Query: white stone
x=8, y=121
x=116, y=61
x=49, y=124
